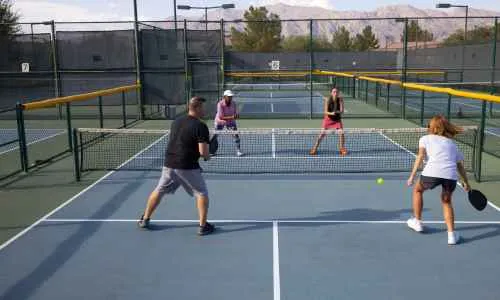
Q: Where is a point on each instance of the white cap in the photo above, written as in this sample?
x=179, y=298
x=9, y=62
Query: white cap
x=228, y=93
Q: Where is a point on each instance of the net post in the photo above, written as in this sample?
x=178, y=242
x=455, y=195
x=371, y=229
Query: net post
x=124, y=110
x=68, y=124
x=377, y=86
x=101, y=114
x=76, y=162
x=21, y=132
x=422, y=99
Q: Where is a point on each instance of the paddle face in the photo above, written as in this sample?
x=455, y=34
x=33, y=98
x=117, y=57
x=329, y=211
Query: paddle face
x=214, y=145
x=477, y=199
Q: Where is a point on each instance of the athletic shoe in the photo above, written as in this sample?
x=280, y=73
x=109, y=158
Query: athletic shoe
x=453, y=238
x=415, y=224
x=143, y=223
x=207, y=229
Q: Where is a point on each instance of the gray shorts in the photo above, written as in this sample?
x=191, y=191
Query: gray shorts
x=191, y=180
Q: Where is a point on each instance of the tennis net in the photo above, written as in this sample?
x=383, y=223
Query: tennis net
x=278, y=151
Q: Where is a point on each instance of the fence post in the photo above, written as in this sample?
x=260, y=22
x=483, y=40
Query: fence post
x=405, y=66
x=101, y=114
x=186, y=67
x=124, y=110
x=311, y=66
x=222, y=62
x=422, y=103
x=138, y=64
x=21, y=132
x=68, y=123
x=55, y=66
x=493, y=62
x=76, y=162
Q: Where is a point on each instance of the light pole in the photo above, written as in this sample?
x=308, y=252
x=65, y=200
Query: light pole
x=448, y=5
x=206, y=8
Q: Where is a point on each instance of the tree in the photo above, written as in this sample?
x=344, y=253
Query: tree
x=417, y=34
x=365, y=41
x=8, y=20
x=262, y=33
x=341, y=40
x=480, y=34
x=302, y=43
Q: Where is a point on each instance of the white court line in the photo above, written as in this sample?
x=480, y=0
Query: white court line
x=397, y=144
x=277, y=221
x=276, y=263
x=494, y=206
x=42, y=219
x=273, y=145
x=35, y=141
x=492, y=132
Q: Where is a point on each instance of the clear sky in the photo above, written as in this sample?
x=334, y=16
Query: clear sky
x=92, y=10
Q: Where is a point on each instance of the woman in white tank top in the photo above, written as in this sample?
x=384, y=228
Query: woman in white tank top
x=444, y=165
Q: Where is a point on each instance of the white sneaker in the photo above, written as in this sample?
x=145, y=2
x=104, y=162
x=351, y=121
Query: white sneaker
x=453, y=238
x=415, y=224
x=239, y=153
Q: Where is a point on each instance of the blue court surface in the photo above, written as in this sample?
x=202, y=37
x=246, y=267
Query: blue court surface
x=9, y=139
x=281, y=102
x=439, y=105
x=278, y=237
x=495, y=131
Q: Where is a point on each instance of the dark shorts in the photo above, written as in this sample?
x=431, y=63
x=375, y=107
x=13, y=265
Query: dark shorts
x=448, y=185
x=228, y=125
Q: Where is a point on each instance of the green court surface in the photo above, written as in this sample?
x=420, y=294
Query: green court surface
x=28, y=197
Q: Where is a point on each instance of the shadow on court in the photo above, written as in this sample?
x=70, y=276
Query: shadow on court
x=27, y=286
x=487, y=231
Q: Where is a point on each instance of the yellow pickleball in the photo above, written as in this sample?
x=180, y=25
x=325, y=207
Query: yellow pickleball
x=380, y=180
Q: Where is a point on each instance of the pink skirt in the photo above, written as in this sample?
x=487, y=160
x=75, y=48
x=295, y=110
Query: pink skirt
x=330, y=124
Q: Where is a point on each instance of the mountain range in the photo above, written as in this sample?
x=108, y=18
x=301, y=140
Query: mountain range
x=444, y=22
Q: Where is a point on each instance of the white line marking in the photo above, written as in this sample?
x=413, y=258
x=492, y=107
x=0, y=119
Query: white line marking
x=492, y=132
x=273, y=145
x=276, y=262
x=494, y=206
x=33, y=142
x=20, y=234
x=47, y=220
x=397, y=144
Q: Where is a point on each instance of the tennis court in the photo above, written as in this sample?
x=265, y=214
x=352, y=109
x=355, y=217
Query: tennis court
x=301, y=236
x=9, y=139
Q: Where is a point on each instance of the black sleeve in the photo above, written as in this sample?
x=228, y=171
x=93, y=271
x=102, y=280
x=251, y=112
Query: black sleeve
x=202, y=133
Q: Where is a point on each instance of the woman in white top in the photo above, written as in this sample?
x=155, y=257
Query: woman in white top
x=444, y=159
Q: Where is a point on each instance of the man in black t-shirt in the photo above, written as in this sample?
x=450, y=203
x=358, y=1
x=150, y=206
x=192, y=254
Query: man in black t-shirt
x=188, y=140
